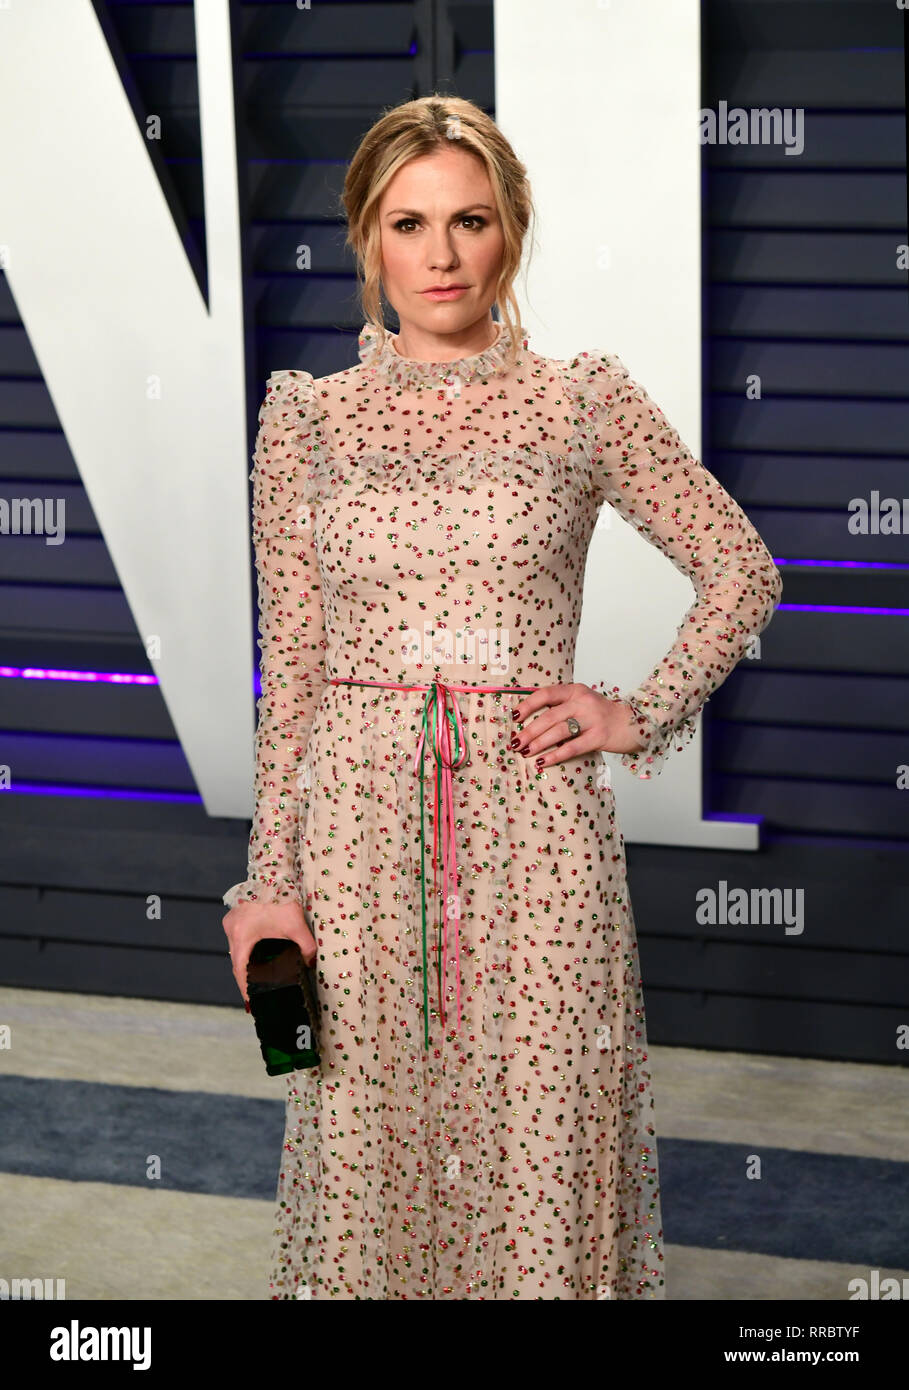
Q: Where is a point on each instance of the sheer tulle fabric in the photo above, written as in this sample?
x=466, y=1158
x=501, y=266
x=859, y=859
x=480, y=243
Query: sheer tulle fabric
x=417, y=521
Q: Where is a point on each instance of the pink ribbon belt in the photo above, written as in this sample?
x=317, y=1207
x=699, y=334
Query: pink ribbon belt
x=442, y=731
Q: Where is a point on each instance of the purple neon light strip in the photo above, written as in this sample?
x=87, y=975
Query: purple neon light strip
x=99, y=793
x=846, y=564
x=49, y=673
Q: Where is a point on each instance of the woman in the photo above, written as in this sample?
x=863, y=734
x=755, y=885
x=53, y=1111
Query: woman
x=430, y=825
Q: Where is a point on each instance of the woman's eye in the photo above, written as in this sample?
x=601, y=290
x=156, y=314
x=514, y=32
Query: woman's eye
x=403, y=222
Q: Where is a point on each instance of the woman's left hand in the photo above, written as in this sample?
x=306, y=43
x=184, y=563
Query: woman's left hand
x=607, y=726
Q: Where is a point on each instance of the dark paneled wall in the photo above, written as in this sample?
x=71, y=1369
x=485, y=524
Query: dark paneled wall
x=804, y=290
x=801, y=288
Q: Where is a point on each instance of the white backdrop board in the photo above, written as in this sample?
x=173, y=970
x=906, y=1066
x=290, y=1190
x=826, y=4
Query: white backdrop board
x=601, y=102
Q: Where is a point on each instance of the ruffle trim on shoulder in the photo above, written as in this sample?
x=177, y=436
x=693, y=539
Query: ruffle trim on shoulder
x=292, y=394
x=599, y=382
x=593, y=371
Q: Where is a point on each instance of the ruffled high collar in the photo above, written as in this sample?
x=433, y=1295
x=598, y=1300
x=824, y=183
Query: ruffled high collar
x=378, y=352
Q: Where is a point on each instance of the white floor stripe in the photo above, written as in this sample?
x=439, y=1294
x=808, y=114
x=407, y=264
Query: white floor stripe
x=112, y=1242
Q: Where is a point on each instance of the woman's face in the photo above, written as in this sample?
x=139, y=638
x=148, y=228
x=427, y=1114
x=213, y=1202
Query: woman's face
x=439, y=226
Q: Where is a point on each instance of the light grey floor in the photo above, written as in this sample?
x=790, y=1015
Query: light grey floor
x=115, y=1241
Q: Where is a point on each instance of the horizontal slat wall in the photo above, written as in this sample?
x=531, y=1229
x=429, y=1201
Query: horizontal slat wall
x=836, y=990
x=804, y=293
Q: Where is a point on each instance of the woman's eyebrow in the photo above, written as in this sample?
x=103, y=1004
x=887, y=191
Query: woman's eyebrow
x=412, y=212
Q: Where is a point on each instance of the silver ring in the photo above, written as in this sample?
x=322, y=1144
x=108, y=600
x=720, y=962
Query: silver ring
x=574, y=727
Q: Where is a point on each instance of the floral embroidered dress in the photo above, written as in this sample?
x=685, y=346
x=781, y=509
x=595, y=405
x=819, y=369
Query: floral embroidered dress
x=483, y=1131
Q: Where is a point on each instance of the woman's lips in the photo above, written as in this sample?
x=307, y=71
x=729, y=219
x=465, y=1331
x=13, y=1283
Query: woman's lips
x=451, y=293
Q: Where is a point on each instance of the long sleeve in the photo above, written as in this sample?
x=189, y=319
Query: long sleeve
x=291, y=633
x=641, y=467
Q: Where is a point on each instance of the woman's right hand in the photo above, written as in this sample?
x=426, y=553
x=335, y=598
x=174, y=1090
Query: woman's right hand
x=248, y=923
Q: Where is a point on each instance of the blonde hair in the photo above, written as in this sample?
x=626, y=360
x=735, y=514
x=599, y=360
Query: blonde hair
x=421, y=127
